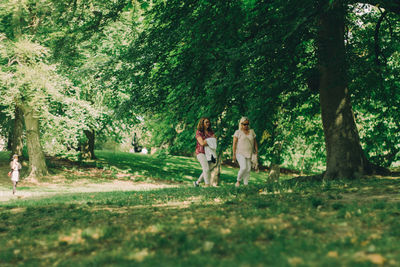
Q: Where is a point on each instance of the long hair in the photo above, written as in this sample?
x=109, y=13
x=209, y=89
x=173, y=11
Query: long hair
x=200, y=125
x=243, y=119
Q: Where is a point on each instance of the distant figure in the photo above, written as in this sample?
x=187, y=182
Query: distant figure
x=135, y=144
x=244, y=149
x=203, y=132
x=15, y=167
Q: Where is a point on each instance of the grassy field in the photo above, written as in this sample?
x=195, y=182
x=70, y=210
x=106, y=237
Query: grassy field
x=331, y=223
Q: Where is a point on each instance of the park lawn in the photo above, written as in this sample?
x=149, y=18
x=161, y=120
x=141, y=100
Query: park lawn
x=168, y=168
x=130, y=167
x=331, y=223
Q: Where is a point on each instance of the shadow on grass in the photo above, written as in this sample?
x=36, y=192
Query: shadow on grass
x=280, y=224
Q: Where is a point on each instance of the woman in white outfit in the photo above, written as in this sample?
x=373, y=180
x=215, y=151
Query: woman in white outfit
x=244, y=145
x=203, y=132
x=15, y=167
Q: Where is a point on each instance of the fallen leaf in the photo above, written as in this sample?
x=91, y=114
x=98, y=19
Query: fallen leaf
x=376, y=258
x=139, y=255
x=333, y=254
x=225, y=231
x=295, y=261
x=208, y=245
x=364, y=243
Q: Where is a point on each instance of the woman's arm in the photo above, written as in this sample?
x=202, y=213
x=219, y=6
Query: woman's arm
x=201, y=141
x=235, y=140
x=255, y=146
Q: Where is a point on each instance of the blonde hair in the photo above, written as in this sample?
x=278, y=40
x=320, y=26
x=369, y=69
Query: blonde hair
x=243, y=119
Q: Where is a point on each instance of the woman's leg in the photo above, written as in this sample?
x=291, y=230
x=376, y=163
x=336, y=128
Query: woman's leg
x=243, y=167
x=246, y=174
x=14, y=186
x=201, y=177
x=206, y=168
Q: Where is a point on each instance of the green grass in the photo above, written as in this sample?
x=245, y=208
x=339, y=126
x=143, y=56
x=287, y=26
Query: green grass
x=333, y=223
x=168, y=168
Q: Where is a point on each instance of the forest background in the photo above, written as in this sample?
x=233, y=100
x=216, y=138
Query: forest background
x=79, y=75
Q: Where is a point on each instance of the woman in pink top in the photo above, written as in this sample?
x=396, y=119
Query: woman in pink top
x=244, y=145
x=203, y=132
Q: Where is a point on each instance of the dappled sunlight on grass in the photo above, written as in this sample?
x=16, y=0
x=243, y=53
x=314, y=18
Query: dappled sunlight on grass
x=314, y=223
x=217, y=224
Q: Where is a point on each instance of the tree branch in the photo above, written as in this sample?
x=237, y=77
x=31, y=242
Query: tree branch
x=376, y=38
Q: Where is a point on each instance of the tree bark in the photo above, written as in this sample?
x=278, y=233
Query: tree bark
x=16, y=134
x=344, y=155
x=215, y=172
x=87, y=149
x=37, y=163
x=274, y=172
x=276, y=159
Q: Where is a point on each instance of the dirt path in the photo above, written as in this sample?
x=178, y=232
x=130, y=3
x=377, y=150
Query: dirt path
x=46, y=189
x=60, y=185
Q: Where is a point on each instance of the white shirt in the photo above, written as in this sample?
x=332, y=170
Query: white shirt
x=210, y=149
x=245, y=144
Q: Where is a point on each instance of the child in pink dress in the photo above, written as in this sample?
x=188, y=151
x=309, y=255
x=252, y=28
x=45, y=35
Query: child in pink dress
x=15, y=167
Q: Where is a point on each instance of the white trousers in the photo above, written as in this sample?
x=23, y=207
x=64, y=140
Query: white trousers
x=245, y=168
x=206, y=166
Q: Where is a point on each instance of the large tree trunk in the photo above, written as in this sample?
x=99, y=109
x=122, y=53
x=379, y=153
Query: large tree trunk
x=87, y=148
x=16, y=133
x=37, y=163
x=344, y=155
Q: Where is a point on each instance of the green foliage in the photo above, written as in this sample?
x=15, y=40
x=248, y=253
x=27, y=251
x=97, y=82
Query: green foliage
x=258, y=58
x=30, y=82
x=59, y=25
x=70, y=31
x=374, y=84
x=220, y=60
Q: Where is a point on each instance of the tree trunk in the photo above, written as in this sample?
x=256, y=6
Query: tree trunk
x=276, y=159
x=274, y=172
x=87, y=149
x=16, y=134
x=37, y=163
x=215, y=172
x=344, y=155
